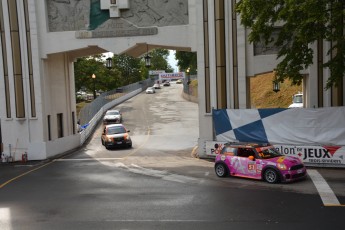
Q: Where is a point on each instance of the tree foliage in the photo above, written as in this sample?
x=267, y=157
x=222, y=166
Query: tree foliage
x=125, y=70
x=159, y=60
x=187, y=60
x=300, y=23
x=129, y=67
x=85, y=67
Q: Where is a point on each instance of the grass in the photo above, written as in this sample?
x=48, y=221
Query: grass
x=81, y=105
x=262, y=95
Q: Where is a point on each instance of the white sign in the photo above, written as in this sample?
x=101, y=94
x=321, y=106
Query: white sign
x=169, y=76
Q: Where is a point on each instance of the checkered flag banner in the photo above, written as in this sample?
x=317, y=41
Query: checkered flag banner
x=299, y=126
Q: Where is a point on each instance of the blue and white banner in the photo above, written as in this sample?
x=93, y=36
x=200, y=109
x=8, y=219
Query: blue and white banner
x=316, y=127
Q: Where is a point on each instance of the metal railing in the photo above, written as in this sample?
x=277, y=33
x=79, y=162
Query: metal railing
x=89, y=111
x=187, y=88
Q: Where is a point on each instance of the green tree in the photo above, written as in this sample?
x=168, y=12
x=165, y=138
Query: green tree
x=125, y=70
x=301, y=23
x=85, y=67
x=187, y=60
x=129, y=68
x=159, y=60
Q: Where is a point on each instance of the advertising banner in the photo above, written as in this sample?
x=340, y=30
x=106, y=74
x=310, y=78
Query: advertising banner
x=169, y=76
x=300, y=127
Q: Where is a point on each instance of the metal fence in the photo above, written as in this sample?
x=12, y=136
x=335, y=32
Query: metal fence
x=89, y=111
x=187, y=88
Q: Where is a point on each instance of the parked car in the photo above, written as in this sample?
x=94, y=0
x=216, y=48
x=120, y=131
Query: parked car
x=116, y=135
x=179, y=81
x=119, y=90
x=166, y=83
x=258, y=161
x=112, y=116
x=150, y=90
x=157, y=86
x=297, y=101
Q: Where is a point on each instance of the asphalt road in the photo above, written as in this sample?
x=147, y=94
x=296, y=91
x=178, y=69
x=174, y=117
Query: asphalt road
x=157, y=184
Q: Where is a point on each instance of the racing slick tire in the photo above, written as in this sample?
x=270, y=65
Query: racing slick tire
x=221, y=170
x=271, y=176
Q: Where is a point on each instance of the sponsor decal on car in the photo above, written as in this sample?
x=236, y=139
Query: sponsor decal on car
x=323, y=155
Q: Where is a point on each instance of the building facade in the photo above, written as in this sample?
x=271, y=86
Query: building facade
x=226, y=61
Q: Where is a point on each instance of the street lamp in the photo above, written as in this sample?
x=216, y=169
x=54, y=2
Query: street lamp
x=147, y=58
x=276, y=83
x=94, y=86
x=108, y=64
x=276, y=86
x=188, y=76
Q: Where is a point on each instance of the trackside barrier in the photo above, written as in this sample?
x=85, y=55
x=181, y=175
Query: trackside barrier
x=317, y=156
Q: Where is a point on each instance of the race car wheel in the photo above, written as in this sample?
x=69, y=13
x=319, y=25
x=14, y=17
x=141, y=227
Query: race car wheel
x=271, y=176
x=221, y=170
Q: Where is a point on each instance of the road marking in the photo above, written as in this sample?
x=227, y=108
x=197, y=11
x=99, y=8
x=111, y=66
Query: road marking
x=21, y=175
x=90, y=159
x=326, y=193
x=5, y=219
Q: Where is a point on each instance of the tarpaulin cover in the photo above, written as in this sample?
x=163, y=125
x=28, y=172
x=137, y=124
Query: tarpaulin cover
x=321, y=126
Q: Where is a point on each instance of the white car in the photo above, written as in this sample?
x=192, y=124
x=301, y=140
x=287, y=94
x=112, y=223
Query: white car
x=150, y=90
x=179, y=81
x=112, y=116
x=297, y=101
x=157, y=86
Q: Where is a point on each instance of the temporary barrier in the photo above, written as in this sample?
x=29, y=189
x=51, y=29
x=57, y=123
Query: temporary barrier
x=314, y=135
x=322, y=126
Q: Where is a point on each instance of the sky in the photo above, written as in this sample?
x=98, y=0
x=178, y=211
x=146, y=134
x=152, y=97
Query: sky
x=171, y=60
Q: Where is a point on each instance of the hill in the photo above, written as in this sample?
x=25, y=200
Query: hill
x=262, y=95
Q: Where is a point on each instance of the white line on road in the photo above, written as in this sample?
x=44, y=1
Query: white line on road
x=327, y=195
x=5, y=219
x=90, y=159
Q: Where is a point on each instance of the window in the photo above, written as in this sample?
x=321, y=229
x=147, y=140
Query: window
x=0, y=139
x=49, y=130
x=73, y=122
x=116, y=130
x=60, y=125
x=243, y=152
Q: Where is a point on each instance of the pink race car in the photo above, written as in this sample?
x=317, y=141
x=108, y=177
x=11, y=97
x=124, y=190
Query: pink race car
x=258, y=161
